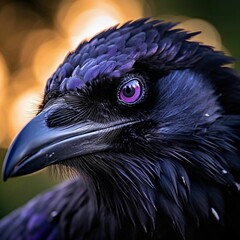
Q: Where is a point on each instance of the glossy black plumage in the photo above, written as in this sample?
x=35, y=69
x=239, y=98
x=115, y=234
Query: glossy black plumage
x=165, y=167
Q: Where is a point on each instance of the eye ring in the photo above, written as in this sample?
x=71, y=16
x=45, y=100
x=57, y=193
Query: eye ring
x=131, y=90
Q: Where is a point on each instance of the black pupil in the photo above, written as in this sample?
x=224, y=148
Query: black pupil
x=128, y=91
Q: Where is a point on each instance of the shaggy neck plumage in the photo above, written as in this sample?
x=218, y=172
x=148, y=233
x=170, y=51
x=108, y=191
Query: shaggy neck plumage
x=123, y=185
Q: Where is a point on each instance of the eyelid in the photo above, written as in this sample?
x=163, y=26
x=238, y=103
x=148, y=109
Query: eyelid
x=131, y=76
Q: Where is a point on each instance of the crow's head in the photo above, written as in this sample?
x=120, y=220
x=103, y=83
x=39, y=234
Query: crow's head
x=148, y=117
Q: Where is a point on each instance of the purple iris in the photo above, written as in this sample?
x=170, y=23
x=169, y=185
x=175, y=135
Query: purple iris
x=131, y=92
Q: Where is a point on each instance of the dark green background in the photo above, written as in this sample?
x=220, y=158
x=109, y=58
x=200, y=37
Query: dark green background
x=224, y=15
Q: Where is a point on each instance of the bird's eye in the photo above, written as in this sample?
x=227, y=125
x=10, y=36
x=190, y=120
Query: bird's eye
x=131, y=91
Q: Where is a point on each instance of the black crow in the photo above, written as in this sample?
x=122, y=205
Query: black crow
x=148, y=124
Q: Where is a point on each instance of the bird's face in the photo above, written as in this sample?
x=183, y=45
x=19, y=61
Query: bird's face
x=123, y=102
x=143, y=110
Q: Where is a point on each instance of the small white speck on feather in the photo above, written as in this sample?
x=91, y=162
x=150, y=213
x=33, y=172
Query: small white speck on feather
x=183, y=180
x=54, y=214
x=215, y=214
x=224, y=171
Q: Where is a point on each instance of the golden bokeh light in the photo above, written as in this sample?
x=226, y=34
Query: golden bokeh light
x=23, y=99
x=33, y=41
x=81, y=20
x=209, y=34
x=99, y=21
x=23, y=108
x=16, y=21
x=4, y=78
x=48, y=57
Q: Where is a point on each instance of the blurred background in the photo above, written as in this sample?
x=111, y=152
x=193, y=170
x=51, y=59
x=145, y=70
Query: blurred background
x=35, y=35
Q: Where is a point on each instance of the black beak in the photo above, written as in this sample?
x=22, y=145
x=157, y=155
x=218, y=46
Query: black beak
x=38, y=145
